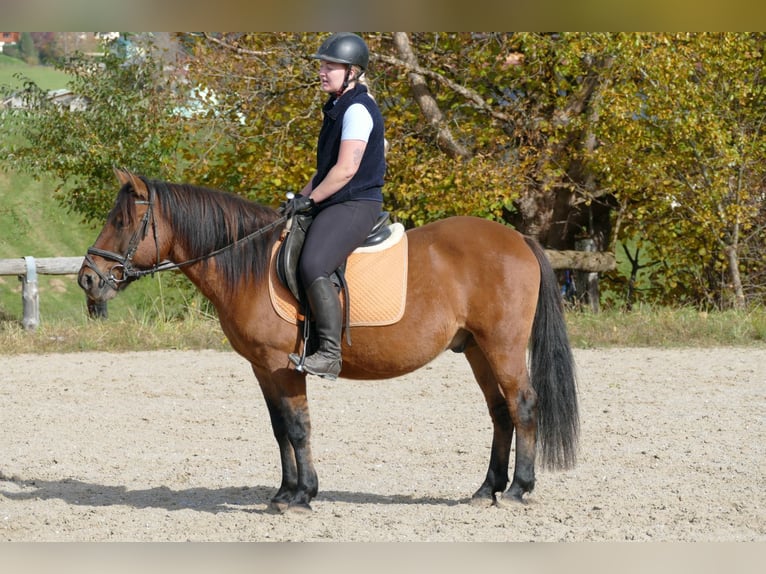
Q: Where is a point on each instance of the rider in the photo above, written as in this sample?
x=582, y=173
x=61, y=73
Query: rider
x=344, y=194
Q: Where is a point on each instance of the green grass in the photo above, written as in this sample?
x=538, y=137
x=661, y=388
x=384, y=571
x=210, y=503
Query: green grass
x=33, y=223
x=44, y=76
x=133, y=332
x=130, y=333
x=663, y=327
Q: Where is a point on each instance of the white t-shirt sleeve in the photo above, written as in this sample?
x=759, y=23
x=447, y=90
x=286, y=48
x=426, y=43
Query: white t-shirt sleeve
x=357, y=123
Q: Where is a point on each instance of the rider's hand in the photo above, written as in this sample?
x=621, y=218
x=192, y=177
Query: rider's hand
x=300, y=204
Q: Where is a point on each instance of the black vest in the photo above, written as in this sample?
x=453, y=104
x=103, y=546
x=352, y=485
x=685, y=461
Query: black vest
x=368, y=180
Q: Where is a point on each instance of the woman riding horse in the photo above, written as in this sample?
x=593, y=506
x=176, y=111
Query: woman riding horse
x=344, y=195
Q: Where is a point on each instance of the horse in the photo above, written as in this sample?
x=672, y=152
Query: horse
x=474, y=286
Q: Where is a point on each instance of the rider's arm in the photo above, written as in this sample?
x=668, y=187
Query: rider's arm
x=349, y=158
x=357, y=126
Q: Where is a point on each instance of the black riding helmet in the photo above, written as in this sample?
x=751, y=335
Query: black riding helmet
x=344, y=48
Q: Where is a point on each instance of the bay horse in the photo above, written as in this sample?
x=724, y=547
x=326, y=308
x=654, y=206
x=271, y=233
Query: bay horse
x=474, y=287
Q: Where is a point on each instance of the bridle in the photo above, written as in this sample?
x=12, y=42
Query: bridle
x=124, y=263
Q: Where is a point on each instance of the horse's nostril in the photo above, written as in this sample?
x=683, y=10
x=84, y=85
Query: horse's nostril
x=85, y=281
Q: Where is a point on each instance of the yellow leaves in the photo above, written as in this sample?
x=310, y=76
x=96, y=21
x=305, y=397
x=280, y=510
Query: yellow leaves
x=425, y=188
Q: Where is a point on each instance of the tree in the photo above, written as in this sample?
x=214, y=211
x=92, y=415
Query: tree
x=547, y=132
x=470, y=133
x=256, y=112
x=124, y=122
x=27, y=49
x=16, y=50
x=463, y=137
x=48, y=47
x=683, y=150
x=651, y=140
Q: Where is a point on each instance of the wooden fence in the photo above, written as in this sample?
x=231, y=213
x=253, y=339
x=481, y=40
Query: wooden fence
x=28, y=268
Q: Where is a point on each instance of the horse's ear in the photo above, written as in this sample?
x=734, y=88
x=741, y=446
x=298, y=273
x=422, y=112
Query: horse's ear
x=122, y=176
x=139, y=186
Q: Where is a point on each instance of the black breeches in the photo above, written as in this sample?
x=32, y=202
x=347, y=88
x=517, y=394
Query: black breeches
x=335, y=232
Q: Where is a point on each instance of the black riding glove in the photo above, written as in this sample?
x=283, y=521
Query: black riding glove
x=300, y=204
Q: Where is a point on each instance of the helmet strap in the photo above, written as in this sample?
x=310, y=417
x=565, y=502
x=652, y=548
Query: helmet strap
x=345, y=81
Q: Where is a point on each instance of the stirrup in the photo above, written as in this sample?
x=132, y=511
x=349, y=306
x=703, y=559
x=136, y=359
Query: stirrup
x=331, y=368
x=296, y=360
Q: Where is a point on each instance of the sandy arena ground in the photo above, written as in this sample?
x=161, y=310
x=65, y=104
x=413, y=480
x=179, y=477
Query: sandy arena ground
x=176, y=446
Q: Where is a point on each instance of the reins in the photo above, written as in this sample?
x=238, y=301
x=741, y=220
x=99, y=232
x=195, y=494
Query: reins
x=125, y=264
x=168, y=265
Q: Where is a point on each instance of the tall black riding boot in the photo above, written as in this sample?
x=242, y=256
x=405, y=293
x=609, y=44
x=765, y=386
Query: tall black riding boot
x=325, y=305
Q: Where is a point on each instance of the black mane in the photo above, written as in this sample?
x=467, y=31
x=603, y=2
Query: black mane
x=204, y=220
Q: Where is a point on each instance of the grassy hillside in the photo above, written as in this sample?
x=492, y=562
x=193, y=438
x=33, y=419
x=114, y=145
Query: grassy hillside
x=44, y=76
x=33, y=223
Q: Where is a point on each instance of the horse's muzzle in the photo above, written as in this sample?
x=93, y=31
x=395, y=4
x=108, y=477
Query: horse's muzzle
x=94, y=286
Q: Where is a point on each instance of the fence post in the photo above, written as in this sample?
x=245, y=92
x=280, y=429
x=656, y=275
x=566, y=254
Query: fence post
x=589, y=279
x=30, y=295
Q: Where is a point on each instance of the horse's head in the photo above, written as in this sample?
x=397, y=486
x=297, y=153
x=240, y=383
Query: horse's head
x=128, y=243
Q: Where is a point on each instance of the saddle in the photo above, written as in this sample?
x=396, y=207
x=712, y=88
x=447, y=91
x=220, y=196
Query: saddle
x=289, y=252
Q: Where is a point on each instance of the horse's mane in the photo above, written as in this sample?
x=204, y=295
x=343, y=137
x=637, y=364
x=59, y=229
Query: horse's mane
x=204, y=220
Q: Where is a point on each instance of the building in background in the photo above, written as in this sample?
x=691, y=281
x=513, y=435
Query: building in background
x=9, y=38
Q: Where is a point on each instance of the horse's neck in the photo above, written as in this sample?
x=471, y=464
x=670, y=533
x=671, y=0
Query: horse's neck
x=207, y=278
x=204, y=277
x=205, y=274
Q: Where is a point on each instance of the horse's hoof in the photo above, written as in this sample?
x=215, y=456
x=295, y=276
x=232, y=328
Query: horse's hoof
x=299, y=508
x=482, y=501
x=511, y=497
x=278, y=506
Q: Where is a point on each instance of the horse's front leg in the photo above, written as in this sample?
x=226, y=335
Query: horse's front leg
x=289, y=484
x=285, y=395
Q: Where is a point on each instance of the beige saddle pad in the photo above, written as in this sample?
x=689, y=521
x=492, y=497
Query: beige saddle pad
x=377, y=283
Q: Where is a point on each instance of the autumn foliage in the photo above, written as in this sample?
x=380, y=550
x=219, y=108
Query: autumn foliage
x=644, y=143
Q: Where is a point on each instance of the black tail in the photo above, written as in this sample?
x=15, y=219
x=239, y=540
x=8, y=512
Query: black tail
x=552, y=372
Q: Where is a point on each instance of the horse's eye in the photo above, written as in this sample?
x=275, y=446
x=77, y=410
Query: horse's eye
x=118, y=222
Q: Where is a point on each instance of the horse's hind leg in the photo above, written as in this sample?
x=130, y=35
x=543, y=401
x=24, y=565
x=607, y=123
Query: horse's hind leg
x=497, y=474
x=507, y=383
x=522, y=404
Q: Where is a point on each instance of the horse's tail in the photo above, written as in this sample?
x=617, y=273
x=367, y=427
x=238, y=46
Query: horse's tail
x=552, y=372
